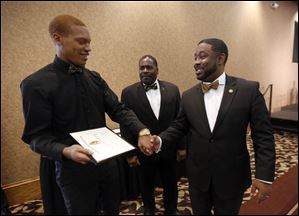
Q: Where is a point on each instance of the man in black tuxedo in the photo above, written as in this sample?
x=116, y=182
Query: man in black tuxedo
x=216, y=113
x=156, y=103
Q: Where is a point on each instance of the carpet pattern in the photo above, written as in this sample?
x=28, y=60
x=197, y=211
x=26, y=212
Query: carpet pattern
x=286, y=157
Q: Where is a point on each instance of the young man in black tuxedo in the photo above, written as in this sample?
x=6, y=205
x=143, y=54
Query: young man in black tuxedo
x=65, y=97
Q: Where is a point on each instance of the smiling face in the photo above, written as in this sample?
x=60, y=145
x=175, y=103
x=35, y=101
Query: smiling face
x=208, y=65
x=73, y=47
x=148, y=71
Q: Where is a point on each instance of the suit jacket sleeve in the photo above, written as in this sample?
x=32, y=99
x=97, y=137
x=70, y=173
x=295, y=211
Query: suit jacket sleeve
x=262, y=137
x=118, y=111
x=181, y=144
x=177, y=130
x=125, y=133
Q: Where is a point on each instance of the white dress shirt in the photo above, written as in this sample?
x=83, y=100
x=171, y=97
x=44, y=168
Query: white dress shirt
x=154, y=98
x=213, y=99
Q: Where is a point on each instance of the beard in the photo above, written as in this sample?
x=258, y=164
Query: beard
x=148, y=80
x=207, y=73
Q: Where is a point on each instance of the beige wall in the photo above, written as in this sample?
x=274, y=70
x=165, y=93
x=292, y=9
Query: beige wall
x=259, y=38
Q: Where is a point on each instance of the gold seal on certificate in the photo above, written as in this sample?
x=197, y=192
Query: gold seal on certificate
x=91, y=139
x=95, y=142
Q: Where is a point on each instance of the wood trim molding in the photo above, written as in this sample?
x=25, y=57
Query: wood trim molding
x=22, y=191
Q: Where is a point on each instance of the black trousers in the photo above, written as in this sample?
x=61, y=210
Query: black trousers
x=166, y=168
x=203, y=202
x=53, y=202
x=89, y=188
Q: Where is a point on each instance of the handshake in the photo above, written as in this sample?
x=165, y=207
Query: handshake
x=149, y=144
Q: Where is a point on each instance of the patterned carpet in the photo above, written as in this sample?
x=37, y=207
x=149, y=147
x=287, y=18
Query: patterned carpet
x=286, y=154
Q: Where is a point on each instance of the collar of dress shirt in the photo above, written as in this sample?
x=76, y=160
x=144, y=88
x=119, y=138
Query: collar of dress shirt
x=158, y=86
x=62, y=65
x=221, y=79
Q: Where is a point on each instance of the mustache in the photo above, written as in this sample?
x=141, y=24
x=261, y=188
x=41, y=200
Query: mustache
x=146, y=75
x=197, y=66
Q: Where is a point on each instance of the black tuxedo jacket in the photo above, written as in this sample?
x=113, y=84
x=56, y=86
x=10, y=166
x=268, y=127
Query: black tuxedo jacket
x=134, y=96
x=221, y=156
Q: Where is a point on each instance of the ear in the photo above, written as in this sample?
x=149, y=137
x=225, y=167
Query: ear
x=221, y=58
x=57, y=38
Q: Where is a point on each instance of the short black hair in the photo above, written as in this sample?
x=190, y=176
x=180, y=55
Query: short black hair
x=151, y=57
x=217, y=46
x=62, y=24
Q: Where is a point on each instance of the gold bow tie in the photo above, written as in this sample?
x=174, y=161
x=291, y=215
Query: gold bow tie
x=206, y=87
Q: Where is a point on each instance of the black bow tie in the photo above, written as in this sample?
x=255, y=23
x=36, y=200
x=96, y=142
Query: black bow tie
x=152, y=86
x=75, y=69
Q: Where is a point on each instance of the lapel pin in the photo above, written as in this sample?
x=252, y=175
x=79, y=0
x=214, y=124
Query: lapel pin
x=230, y=91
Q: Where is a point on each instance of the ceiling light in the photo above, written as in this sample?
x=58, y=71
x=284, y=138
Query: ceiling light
x=274, y=5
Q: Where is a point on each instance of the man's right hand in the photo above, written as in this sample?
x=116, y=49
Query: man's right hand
x=133, y=161
x=156, y=142
x=77, y=153
x=145, y=145
x=149, y=144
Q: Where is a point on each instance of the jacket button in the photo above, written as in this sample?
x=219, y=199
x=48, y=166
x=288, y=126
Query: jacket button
x=211, y=140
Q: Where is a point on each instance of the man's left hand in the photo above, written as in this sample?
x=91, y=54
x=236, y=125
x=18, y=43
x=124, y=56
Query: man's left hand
x=263, y=190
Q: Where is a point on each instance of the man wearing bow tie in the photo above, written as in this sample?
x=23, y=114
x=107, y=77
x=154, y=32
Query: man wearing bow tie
x=156, y=103
x=216, y=113
x=65, y=97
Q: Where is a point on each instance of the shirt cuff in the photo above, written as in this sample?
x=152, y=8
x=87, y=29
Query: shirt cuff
x=159, y=149
x=267, y=182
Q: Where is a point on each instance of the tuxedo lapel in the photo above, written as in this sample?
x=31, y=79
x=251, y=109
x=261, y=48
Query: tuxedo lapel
x=145, y=102
x=163, y=92
x=228, y=96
